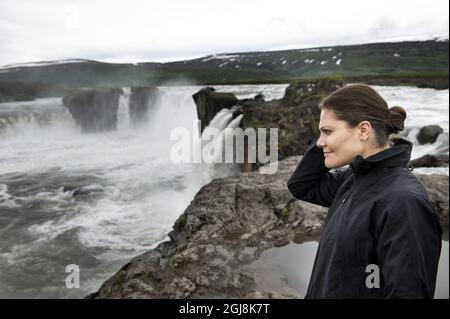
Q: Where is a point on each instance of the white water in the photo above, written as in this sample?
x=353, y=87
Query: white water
x=423, y=107
x=136, y=191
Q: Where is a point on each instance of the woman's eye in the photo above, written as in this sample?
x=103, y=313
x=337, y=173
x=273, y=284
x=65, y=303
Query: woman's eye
x=327, y=132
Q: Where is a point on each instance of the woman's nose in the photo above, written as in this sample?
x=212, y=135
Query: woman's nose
x=321, y=142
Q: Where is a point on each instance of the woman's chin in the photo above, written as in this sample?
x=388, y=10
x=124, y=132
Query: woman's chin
x=328, y=164
x=331, y=164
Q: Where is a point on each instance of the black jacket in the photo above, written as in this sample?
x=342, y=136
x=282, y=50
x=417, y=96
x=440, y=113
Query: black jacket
x=379, y=214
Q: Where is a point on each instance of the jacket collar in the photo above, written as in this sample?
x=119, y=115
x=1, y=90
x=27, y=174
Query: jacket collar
x=398, y=154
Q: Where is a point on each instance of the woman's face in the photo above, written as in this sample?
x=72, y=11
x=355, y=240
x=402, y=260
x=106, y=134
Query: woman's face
x=339, y=142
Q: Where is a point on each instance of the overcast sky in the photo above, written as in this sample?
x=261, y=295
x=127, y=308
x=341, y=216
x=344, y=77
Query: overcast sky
x=140, y=30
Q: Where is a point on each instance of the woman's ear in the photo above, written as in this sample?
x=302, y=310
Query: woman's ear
x=365, y=129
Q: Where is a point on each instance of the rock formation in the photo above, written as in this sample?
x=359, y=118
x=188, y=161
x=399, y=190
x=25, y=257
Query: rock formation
x=430, y=160
x=142, y=98
x=209, y=102
x=94, y=109
x=429, y=134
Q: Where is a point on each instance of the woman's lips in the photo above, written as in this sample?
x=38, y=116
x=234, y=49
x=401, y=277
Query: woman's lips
x=326, y=153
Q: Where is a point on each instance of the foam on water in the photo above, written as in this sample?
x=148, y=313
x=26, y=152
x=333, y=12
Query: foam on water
x=423, y=107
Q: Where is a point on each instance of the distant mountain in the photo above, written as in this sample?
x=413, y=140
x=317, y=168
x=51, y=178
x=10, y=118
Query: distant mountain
x=377, y=59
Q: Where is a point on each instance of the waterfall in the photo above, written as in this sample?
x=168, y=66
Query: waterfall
x=123, y=115
x=222, y=120
x=29, y=116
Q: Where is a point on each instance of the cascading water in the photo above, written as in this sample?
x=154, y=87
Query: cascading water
x=123, y=114
x=30, y=116
x=222, y=121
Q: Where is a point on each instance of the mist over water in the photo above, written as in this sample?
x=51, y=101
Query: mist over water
x=128, y=192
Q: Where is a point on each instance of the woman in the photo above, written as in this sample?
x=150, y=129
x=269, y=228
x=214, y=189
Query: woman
x=381, y=237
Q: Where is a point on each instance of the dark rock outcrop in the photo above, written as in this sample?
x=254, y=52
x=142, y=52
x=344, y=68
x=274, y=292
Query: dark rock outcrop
x=430, y=160
x=76, y=191
x=142, y=98
x=209, y=102
x=81, y=191
x=216, y=242
x=94, y=110
x=310, y=92
x=259, y=97
x=429, y=134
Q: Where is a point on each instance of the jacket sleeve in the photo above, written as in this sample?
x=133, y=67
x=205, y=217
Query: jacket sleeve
x=408, y=246
x=312, y=181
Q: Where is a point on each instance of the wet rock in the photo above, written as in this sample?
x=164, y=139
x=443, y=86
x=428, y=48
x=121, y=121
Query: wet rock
x=430, y=160
x=304, y=90
x=237, y=113
x=142, y=99
x=429, y=134
x=76, y=190
x=80, y=190
x=259, y=97
x=209, y=102
x=94, y=110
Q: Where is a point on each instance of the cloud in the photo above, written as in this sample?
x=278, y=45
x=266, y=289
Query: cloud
x=383, y=26
x=139, y=30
